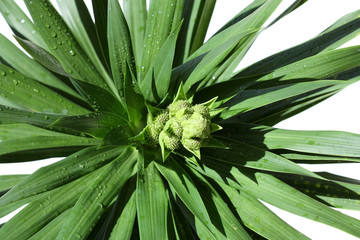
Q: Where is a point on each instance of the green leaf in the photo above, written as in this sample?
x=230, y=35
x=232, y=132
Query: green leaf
x=136, y=15
x=252, y=7
x=315, y=158
x=100, y=9
x=292, y=7
x=135, y=104
x=38, y=154
x=125, y=223
x=181, y=225
x=119, y=42
x=158, y=27
x=269, y=189
x=242, y=154
x=254, y=21
x=249, y=24
x=330, y=143
x=43, y=210
x=94, y=124
x=251, y=99
x=277, y=193
x=18, y=20
x=259, y=218
x=12, y=115
x=219, y=211
x=52, y=229
x=21, y=137
x=187, y=191
x=28, y=67
x=18, y=89
x=213, y=59
x=156, y=88
x=201, y=24
x=9, y=181
x=71, y=12
x=323, y=65
x=44, y=57
x=93, y=202
x=328, y=190
x=61, y=42
x=336, y=35
x=62, y=172
x=152, y=204
x=121, y=215
x=100, y=99
x=119, y=135
x=283, y=109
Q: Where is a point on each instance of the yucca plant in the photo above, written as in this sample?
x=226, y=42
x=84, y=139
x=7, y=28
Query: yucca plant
x=161, y=139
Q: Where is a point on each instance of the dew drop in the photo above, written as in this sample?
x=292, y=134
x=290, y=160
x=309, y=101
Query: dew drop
x=36, y=90
x=2, y=73
x=11, y=71
x=78, y=235
x=53, y=34
x=22, y=21
x=47, y=25
x=33, y=31
x=16, y=82
x=72, y=53
x=46, y=117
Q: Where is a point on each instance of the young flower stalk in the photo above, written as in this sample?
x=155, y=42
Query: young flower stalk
x=182, y=125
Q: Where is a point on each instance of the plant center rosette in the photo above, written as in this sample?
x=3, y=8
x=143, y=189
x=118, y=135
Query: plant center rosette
x=181, y=126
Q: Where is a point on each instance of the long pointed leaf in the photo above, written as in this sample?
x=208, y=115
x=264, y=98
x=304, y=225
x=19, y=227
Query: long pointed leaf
x=259, y=218
x=18, y=20
x=119, y=42
x=62, y=172
x=9, y=181
x=333, y=143
x=17, y=88
x=28, y=67
x=52, y=229
x=93, y=202
x=21, y=137
x=62, y=43
x=72, y=17
x=242, y=154
x=136, y=15
x=151, y=202
x=340, y=32
x=40, y=212
x=158, y=26
x=162, y=66
x=94, y=124
x=248, y=100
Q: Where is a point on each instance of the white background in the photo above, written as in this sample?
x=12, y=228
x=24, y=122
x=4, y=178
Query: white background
x=340, y=112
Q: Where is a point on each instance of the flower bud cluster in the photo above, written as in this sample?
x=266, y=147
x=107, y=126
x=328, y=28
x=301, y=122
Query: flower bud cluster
x=181, y=124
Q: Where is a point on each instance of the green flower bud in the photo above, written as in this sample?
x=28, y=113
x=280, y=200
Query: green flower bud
x=196, y=127
x=184, y=114
x=177, y=106
x=174, y=127
x=171, y=142
x=191, y=143
x=161, y=120
x=203, y=110
x=181, y=125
